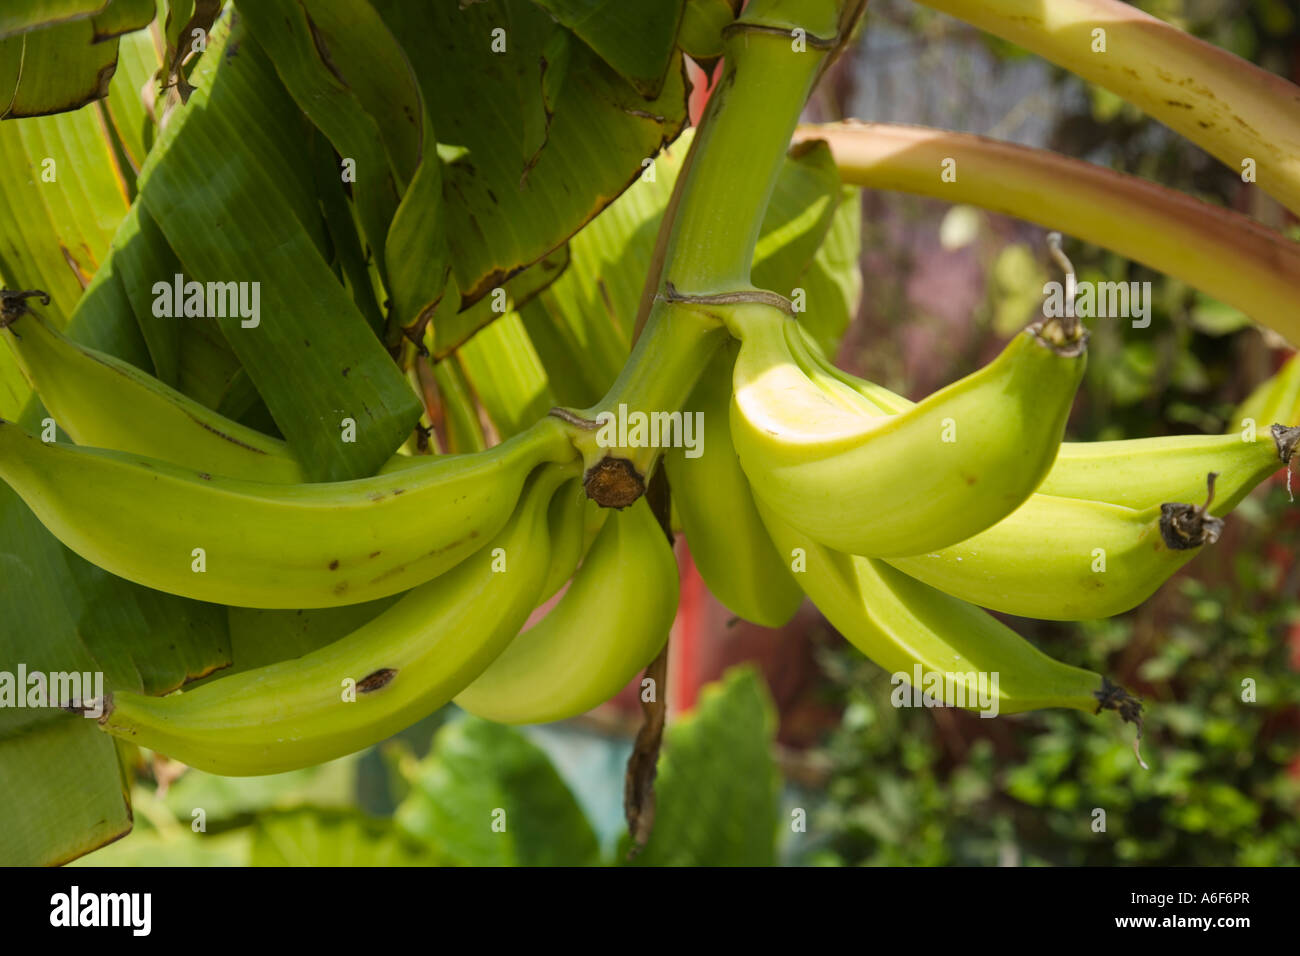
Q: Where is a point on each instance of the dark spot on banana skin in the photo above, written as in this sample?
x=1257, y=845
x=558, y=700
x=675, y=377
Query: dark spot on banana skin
x=334, y=565
x=375, y=554
x=340, y=587
x=376, y=680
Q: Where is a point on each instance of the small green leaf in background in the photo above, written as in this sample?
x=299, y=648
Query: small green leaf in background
x=718, y=789
x=481, y=773
x=54, y=69
x=508, y=203
x=225, y=185
x=1217, y=318
x=314, y=837
x=63, y=792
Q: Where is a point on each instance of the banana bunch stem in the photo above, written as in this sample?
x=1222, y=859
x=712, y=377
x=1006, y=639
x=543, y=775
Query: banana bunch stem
x=774, y=54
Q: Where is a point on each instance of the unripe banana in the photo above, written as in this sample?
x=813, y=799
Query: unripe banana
x=1068, y=559
x=947, y=468
x=1276, y=399
x=606, y=628
x=727, y=539
x=575, y=522
x=250, y=544
x=103, y=402
x=400, y=667
x=905, y=626
x=1136, y=473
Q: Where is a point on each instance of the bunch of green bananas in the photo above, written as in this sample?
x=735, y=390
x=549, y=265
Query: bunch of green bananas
x=477, y=541
x=898, y=519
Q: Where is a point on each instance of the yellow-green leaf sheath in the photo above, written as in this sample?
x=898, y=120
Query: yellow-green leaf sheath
x=609, y=625
x=251, y=544
x=728, y=542
x=949, y=467
x=902, y=624
x=357, y=691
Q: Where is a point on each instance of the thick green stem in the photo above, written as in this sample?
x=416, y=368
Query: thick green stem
x=773, y=55
x=770, y=71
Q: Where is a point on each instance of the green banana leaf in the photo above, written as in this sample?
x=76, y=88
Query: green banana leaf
x=487, y=796
x=235, y=154
x=139, y=57
x=307, y=47
x=522, y=126
x=718, y=788
x=19, y=16
x=54, y=69
x=312, y=837
x=123, y=16
x=635, y=37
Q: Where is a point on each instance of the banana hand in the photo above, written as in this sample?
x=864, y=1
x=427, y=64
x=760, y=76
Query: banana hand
x=400, y=667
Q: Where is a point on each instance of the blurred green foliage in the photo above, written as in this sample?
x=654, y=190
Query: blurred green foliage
x=484, y=795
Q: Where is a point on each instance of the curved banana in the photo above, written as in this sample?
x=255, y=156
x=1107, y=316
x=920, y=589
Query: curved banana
x=1137, y=473
x=1069, y=559
x=251, y=544
x=935, y=641
x=727, y=539
x=381, y=678
x=606, y=628
x=576, y=520
x=949, y=467
x=103, y=402
x=1276, y=399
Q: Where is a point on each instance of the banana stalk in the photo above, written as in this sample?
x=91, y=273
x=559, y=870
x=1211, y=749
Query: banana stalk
x=774, y=53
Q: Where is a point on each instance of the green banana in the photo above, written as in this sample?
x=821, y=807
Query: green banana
x=1276, y=399
x=949, y=467
x=930, y=638
x=727, y=539
x=403, y=665
x=576, y=520
x=607, y=627
x=102, y=402
x=269, y=545
x=1137, y=473
x=1068, y=559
